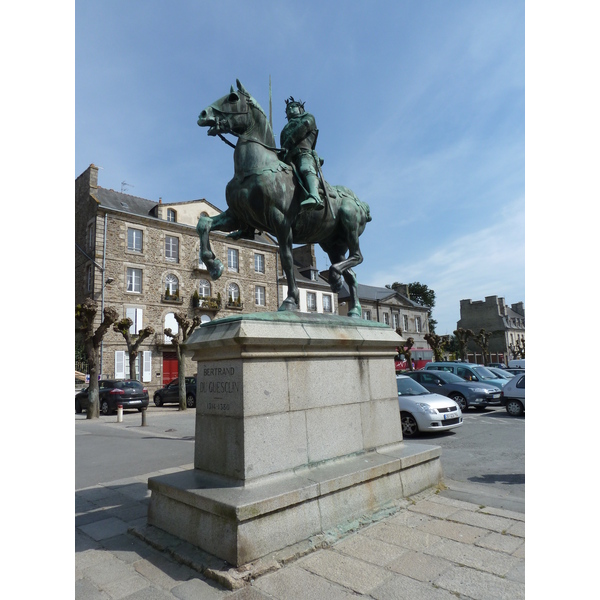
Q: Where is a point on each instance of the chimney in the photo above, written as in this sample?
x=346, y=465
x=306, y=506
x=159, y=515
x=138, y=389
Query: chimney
x=160, y=200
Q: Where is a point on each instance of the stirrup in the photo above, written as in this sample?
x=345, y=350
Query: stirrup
x=312, y=203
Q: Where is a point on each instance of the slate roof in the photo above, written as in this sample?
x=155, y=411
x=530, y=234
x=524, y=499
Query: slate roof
x=373, y=294
x=124, y=202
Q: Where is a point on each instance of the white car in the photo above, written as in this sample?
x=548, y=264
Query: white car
x=420, y=410
x=513, y=396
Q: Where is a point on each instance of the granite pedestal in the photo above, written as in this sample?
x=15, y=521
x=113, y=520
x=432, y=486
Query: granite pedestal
x=297, y=434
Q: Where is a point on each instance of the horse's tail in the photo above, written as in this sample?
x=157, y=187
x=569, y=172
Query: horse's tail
x=365, y=207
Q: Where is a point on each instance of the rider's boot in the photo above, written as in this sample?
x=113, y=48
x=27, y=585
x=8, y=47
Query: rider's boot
x=313, y=201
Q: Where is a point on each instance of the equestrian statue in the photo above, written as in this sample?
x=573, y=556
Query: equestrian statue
x=282, y=191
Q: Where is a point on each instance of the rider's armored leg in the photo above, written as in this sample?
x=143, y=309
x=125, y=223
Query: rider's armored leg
x=311, y=181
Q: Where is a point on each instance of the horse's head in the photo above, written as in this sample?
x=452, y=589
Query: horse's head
x=237, y=113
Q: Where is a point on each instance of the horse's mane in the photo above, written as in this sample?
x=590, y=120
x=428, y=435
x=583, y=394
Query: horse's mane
x=254, y=103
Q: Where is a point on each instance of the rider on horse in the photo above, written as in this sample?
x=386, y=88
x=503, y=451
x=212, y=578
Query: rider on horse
x=298, y=140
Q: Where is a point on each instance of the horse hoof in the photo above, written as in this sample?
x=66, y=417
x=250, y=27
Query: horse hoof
x=288, y=304
x=215, y=270
x=354, y=314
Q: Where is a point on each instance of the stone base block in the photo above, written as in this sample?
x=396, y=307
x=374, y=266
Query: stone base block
x=243, y=523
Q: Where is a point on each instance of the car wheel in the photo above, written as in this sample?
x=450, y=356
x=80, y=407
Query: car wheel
x=514, y=408
x=105, y=408
x=190, y=401
x=158, y=400
x=409, y=425
x=460, y=400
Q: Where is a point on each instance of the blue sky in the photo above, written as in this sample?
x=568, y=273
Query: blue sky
x=420, y=107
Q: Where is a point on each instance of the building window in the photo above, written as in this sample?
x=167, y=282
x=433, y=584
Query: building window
x=89, y=278
x=259, y=263
x=134, y=240
x=171, y=285
x=386, y=318
x=395, y=321
x=259, y=295
x=366, y=315
x=90, y=236
x=311, y=300
x=233, y=294
x=204, y=288
x=233, y=259
x=134, y=280
x=136, y=316
x=327, y=305
x=171, y=215
x=418, y=324
x=404, y=322
x=172, y=248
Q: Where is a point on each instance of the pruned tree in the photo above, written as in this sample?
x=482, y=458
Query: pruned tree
x=518, y=349
x=482, y=340
x=85, y=314
x=133, y=341
x=462, y=337
x=437, y=343
x=185, y=330
x=404, y=348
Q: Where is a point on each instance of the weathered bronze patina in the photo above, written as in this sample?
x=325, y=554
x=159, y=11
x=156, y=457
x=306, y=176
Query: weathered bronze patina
x=265, y=195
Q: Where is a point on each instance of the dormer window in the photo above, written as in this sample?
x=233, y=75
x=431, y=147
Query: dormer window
x=171, y=215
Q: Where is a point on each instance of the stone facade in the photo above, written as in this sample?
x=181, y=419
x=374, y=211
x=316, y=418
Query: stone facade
x=128, y=254
x=395, y=309
x=507, y=325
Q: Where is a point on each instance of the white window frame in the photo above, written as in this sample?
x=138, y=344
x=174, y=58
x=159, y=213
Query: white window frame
x=134, y=280
x=134, y=237
x=143, y=365
x=395, y=321
x=418, y=324
x=172, y=283
x=386, y=318
x=260, y=295
x=366, y=315
x=204, y=286
x=136, y=315
x=171, y=215
x=236, y=295
x=311, y=301
x=172, y=248
x=233, y=260
x=259, y=263
x=91, y=235
x=327, y=303
x=405, y=322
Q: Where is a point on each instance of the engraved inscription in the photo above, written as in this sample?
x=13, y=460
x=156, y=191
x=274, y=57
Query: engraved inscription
x=219, y=384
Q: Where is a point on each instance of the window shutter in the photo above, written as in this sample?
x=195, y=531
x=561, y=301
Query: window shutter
x=147, y=369
x=135, y=314
x=119, y=364
x=138, y=320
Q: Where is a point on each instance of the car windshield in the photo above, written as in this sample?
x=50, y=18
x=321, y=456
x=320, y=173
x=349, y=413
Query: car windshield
x=409, y=387
x=136, y=385
x=450, y=377
x=484, y=373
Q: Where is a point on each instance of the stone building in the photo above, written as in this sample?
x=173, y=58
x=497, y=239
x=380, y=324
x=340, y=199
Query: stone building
x=505, y=323
x=315, y=293
x=142, y=258
x=396, y=309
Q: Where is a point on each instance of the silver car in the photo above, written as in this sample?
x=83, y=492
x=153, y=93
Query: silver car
x=420, y=410
x=513, y=396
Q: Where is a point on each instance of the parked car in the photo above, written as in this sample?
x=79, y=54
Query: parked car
x=170, y=393
x=420, y=410
x=113, y=392
x=469, y=372
x=516, y=371
x=517, y=363
x=513, y=396
x=497, y=365
x=502, y=373
x=467, y=394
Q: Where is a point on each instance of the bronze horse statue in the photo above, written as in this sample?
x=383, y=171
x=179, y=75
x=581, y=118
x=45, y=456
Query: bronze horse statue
x=264, y=195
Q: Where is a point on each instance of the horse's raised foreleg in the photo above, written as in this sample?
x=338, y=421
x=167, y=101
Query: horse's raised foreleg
x=284, y=237
x=337, y=257
x=221, y=222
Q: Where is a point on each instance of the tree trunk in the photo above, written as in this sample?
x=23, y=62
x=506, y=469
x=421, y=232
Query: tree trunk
x=182, y=388
x=93, y=409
